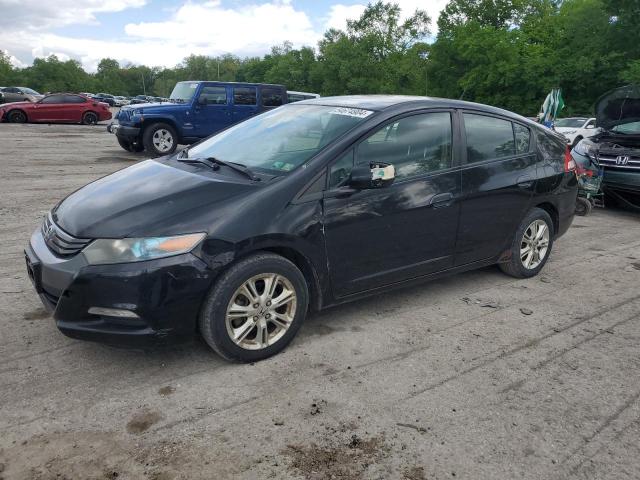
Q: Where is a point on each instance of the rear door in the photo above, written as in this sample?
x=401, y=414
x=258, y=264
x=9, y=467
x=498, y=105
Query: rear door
x=74, y=107
x=244, y=103
x=376, y=237
x=498, y=181
x=212, y=111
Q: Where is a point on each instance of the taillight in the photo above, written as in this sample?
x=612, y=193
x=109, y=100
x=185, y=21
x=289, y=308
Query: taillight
x=569, y=162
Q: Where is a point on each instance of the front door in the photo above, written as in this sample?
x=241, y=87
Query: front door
x=211, y=111
x=376, y=237
x=50, y=108
x=498, y=182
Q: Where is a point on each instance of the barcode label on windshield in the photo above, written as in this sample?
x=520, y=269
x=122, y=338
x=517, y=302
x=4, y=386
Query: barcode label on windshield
x=351, y=112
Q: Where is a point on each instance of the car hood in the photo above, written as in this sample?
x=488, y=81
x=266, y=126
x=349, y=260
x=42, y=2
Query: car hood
x=15, y=104
x=145, y=199
x=566, y=129
x=618, y=106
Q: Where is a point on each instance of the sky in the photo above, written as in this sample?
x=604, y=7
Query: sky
x=163, y=32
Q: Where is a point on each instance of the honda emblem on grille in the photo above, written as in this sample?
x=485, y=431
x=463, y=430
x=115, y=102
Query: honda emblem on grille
x=622, y=160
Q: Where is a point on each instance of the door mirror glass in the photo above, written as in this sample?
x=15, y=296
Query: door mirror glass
x=375, y=175
x=590, y=126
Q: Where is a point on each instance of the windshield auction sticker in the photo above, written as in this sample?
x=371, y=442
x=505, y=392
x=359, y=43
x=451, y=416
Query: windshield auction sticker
x=351, y=112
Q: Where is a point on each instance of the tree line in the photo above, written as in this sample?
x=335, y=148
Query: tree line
x=507, y=53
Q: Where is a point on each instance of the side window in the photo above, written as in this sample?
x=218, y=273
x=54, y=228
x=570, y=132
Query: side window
x=213, y=96
x=415, y=145
x=73, y=99
x=341, y=169
x=53, y=99
x=244, y=95
x=11, y=90
x=271, y=97
x=488, y=137
x=523, y=138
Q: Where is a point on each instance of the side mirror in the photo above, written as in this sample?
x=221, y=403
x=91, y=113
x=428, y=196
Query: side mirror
x=590, y=127
x=375, y=175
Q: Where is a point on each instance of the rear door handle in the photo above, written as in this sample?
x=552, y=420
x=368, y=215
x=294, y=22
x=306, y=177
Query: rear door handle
x=525, y=181
x=441, y=200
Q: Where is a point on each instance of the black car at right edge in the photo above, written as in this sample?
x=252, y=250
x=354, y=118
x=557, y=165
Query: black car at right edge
x=617, y=147
x=305, y=206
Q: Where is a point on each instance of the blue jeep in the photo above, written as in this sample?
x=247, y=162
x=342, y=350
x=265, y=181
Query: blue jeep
x=197, y=110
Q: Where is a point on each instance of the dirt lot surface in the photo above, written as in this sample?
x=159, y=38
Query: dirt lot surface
x=477, y=376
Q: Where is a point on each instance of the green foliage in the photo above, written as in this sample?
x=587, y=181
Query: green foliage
x=508, y=53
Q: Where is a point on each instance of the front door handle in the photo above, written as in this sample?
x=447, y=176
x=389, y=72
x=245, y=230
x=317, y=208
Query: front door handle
x=441, y=200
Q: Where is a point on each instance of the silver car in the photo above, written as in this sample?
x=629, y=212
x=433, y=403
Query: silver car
x=20, y=94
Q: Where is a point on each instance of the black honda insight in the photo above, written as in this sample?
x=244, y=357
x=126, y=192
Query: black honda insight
x=300, y=208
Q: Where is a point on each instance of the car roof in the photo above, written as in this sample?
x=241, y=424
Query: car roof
x=232, y=83
x=383, y=102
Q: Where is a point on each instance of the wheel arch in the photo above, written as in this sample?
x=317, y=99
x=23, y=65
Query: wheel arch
x=551, y=209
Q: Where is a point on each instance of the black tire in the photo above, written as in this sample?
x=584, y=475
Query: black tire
x=514, y=266
x=212, y=320
x=130, y=146
x=89, y=118
x=157, y=129
x=583, y=207
x=575, y=142
x=17, y=116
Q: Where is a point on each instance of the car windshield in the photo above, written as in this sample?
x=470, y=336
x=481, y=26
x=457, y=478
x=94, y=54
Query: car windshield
x=29, y=91
x=183, y=91
x=632, y=128
x=570, y=122
x=282, y=139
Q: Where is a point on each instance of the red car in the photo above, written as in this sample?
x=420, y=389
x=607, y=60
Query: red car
x=56, y=108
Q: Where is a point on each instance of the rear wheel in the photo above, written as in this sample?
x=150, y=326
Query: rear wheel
x=160, y=139
x=531, y=245
x=255, y=309
x=89, y=118
x=17, y=116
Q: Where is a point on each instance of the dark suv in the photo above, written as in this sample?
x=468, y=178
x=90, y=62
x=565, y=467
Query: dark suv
x=303, y=207
x=617, y=147
x=197, y=110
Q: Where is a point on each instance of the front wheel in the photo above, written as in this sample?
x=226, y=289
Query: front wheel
x=583, y=207
x=130, y=146
x=17, y=116
x=531, y=245
x=160, y=139
x=255, y=309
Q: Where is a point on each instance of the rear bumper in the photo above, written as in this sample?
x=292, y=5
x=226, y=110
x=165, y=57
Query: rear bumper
x=165, y=295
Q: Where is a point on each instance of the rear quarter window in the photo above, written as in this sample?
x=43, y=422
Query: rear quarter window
x=271, y=97
x=523, y=138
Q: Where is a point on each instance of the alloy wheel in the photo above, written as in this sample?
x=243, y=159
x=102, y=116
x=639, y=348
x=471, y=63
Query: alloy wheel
x=535, y=244
x=162, y=140
x=261, y=311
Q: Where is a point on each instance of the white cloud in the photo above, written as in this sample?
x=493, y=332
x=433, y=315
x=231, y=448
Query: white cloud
x=44, y=14
x=204, y=28
x=339, y=13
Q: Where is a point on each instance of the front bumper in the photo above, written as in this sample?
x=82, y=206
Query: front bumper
x=165, y=294
x=124, y=131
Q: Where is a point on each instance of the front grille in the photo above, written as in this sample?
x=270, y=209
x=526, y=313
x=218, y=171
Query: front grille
x=60, y=242
x=612, y=160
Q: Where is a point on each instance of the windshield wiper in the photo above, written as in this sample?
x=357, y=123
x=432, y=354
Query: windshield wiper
x=215, y=163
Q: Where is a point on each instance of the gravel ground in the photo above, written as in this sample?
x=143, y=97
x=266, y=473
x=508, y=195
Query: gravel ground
x=476, y=376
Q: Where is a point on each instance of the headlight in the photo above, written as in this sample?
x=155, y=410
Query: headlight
x=126, y=250
x=586, y=148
